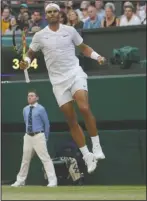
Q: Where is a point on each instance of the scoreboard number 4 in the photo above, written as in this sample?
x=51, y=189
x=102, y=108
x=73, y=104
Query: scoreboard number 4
x=15, y=65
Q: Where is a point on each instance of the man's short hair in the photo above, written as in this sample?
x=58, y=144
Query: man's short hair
x=37, y=11
x=33, y=91
x=92, y=5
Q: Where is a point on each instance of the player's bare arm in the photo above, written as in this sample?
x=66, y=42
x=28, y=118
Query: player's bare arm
x=89, y=52
x=29, y=57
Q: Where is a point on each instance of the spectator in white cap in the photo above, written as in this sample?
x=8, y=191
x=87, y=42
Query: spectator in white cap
x=84, y=10
x=129, y=18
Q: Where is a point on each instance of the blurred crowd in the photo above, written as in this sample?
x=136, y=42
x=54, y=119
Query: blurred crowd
x=77, y=13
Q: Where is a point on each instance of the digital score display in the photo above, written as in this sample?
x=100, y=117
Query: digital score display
x=10, y=61
x=15, y=64
x=10, y=64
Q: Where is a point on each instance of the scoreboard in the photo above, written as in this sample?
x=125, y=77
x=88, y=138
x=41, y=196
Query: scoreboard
x=10, y=60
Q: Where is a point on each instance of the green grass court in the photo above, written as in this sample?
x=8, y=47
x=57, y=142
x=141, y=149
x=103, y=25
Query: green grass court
x=74, y=193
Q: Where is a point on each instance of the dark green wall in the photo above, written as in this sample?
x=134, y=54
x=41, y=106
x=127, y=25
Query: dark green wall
x=105, y=40
x=111, y=99
x=124, y=164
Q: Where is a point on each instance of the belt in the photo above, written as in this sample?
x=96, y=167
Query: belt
x=35, y=133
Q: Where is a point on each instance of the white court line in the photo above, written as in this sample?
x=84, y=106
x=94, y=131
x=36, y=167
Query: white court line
x=90, y=78
x=115, y=76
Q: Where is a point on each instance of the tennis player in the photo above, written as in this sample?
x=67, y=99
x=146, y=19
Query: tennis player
x=69, y=81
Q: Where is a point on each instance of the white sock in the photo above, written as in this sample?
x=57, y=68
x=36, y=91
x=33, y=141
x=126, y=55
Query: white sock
x=95, y=141
x=84, y=150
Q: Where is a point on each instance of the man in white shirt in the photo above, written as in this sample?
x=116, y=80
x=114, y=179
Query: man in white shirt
x=57, y=42
x=141, y=12
x=129, y=18
x=84, y=9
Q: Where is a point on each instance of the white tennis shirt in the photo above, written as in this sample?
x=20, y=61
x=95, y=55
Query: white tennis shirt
x=133, y=21
x=59, y=52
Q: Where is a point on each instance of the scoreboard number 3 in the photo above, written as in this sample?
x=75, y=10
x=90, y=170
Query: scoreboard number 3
x=15, y=65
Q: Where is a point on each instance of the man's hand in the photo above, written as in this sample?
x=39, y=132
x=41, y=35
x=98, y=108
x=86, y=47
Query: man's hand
x=23, y=65
x=101, y=60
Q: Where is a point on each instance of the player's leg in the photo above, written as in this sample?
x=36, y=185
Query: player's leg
x=65, y=102
x=75, y=129
x=64, y=99
x=78, y=135
x=40, y=147
x=28, y=153
x=80, y=94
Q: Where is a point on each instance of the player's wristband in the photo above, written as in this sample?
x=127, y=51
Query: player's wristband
x=28, y=60
x=94, y=55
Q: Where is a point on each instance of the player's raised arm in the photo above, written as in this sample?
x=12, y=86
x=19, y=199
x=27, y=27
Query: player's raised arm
x=34, y=47
x=85, y=49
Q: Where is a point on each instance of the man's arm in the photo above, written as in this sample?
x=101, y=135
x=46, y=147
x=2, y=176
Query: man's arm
x=45, y=120
x=85, y=49
x=89, y=52
x=24, y=115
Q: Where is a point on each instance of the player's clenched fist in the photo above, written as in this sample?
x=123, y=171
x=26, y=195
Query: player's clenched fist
x=23, y=65
x=101, y=60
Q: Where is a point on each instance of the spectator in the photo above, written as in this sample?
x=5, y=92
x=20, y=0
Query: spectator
x=62, y=7
x=69, y=6
x=23, y=8
x=76, y=7
x=23, y=16
x=5, y=3
x=63, y=17
x=141, y=11
x=110, y=18
x=84, y=9
x=144, y=20
x=23, y=20
x=74, y=20
x=12, y=26
x=99, y=7
x=94, y=20
x=5, y=20
x=37, y=23
x=129, y=18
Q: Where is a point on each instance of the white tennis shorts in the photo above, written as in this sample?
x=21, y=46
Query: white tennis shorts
x=64, y=92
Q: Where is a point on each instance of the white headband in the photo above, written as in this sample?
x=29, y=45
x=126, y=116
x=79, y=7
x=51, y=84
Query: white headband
x=52, y=5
